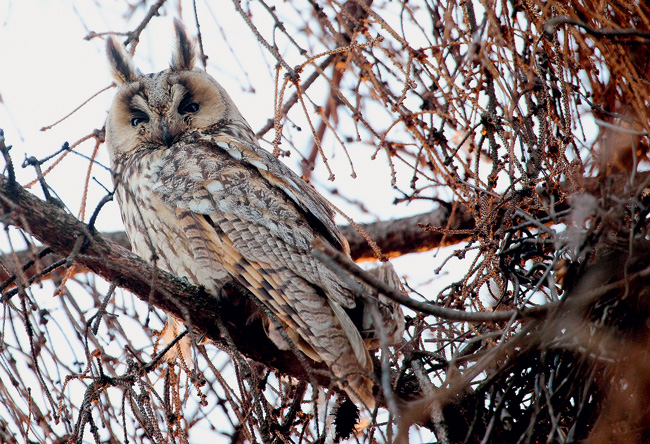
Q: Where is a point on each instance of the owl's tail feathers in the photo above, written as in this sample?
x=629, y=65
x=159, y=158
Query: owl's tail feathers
x=182, y=349
x=350, y=363
x=356, y=367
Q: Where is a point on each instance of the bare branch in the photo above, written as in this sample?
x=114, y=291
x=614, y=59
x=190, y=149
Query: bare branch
x=50, y=224
x=340, y=263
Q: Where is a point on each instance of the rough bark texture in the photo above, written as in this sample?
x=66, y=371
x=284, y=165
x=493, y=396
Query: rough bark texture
x=52, y=226
x=396, y=237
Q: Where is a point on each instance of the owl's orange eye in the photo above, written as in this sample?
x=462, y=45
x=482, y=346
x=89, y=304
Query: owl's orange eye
x=188, y=107
x=138, y=117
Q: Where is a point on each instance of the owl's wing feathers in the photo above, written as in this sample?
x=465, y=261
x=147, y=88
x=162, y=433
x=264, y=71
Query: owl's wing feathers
x=255, y=217
x=294, y=301
x=316, y=208
x=218, y=181
x=320, y=321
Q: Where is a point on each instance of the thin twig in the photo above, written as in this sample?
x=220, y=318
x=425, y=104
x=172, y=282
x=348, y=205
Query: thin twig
x=338, y=262
x=8, y=162
x=549, y=29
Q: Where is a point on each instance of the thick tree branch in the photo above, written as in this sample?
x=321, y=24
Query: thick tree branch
x=395, y=237
x=60, y=231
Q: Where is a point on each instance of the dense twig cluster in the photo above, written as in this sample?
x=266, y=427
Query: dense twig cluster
x=488, y=109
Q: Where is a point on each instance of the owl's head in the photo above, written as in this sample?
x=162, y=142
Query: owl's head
x=158, y=109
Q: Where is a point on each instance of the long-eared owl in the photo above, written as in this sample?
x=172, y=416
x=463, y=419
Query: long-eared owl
x=198, y=194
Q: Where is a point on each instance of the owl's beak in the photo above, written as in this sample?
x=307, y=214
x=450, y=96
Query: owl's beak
x=167, y=136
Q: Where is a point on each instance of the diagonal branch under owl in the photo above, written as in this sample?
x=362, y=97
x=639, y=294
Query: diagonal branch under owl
x=49, y=224
x=202, y=199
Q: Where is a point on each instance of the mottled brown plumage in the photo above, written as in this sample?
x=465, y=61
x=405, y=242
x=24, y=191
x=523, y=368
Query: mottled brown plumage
x=201, y=199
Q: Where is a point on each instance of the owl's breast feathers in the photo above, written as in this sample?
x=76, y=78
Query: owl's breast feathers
x=232, y=209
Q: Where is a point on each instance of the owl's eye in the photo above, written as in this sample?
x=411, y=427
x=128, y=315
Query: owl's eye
x=187, y=106
x=138, y=117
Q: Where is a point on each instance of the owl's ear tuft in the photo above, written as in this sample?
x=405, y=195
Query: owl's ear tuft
x=120, y=61
x=184, y=53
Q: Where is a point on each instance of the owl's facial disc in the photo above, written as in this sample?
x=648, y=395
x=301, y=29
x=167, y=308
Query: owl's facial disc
x=160, y=110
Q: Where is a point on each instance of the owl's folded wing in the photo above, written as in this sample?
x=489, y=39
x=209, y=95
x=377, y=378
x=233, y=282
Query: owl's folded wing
x=267, y=225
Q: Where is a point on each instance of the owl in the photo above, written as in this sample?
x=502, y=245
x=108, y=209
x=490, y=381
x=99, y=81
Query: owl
x=201, y=199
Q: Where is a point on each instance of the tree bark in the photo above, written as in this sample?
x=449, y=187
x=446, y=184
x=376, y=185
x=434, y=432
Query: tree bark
x=64, y=234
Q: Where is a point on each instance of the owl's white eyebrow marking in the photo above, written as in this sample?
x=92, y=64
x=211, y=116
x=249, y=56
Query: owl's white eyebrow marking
x=178, y=93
